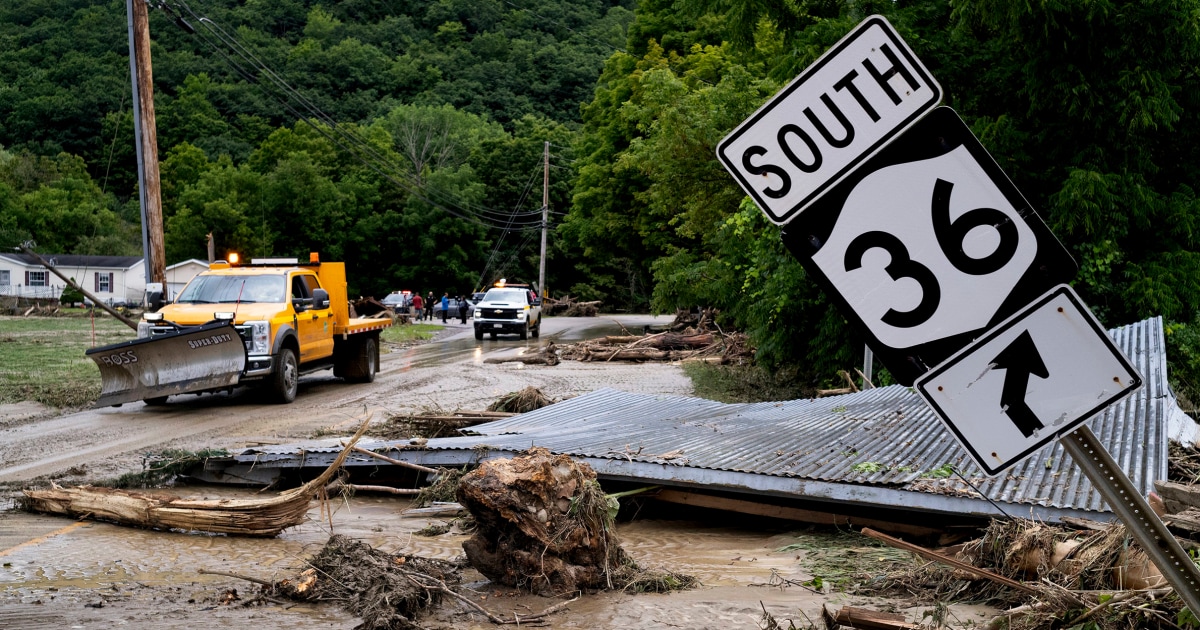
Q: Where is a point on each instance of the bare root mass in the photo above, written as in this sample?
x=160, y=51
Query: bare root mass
x=544, y=525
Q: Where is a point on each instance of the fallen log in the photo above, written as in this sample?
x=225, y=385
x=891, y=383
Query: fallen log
x=866, y=619
x=1177, y=497
x=537, y=358
x=245, y=517
x=937, y=557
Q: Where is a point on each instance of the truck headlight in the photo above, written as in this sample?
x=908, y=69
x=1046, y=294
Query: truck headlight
x=260, y=337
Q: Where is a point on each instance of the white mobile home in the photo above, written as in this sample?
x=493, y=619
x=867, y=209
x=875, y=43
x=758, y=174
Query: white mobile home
x=113, y=279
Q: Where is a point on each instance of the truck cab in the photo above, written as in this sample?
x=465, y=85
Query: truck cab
x=509, y=309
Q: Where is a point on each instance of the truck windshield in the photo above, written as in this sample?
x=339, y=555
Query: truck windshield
x=505, y=295
x=229, y=289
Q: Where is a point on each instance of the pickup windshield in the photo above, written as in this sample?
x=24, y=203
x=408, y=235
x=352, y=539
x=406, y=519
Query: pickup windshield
x=230, y=289
x=506, y=295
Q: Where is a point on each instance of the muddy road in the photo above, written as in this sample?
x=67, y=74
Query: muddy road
x=59, y=573
x=447, y=373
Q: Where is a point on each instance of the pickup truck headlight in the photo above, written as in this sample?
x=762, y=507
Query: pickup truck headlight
x=260, y=337
x=522, y=314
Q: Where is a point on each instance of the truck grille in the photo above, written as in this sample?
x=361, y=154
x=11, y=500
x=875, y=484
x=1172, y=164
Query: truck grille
x=243, y=332
x=497, y=313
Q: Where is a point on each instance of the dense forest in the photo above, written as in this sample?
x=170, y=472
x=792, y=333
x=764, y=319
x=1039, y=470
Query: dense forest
x=407, y=140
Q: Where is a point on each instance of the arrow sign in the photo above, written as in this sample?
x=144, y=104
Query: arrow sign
x=986, y=396
x=1019, y=360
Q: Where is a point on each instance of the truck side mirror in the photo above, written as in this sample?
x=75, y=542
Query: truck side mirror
x=320, y=299
x=154, y=296
x=537, y=301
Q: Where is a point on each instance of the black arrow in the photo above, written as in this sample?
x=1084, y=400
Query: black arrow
x=1020, y=359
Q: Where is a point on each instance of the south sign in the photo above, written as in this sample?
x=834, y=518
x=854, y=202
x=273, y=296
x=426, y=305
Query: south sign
x=844, y=108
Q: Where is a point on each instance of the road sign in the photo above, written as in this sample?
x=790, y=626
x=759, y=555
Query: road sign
x=1036, y=376
x=927, y=245
x=842, y=109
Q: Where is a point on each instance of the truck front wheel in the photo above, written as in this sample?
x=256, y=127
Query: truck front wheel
x=536, y=330
x=525, y=332
x=286, y=378
x=478, y=333
x=363, y=367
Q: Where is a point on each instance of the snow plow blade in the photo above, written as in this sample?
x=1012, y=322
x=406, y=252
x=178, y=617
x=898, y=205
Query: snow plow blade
x=211, y=356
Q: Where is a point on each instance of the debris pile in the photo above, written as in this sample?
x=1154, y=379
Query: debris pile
x=433, y=423
x=522, y=401
x=1093, y=577
x=544, y=525
x=384, y=590
x=568, y=306
x=710, y=347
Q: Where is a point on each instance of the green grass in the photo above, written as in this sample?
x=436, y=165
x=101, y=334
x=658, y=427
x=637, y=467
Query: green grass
x=744, y=383
x=410, y=333
x=42, y=358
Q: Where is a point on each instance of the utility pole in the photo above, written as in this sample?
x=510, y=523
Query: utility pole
x=545, y=216
x=149, y=186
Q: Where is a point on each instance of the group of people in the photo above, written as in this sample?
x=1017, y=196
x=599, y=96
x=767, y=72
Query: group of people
x=423, y=308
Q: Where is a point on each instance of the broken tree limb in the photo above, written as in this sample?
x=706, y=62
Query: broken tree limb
x=75, y=285
x=1178, y=497
x=396, y=462
x=937, y=557
x=528, y=359
x=866, y=619
x=245, y=517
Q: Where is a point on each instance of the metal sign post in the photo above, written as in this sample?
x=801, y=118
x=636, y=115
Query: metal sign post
x=1140, y=521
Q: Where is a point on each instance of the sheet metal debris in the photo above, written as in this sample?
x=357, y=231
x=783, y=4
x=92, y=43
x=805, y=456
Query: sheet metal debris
x=880, y=448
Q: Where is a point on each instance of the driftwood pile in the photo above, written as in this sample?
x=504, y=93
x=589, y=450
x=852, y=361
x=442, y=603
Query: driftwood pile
x=1086, y=575
x=570, y=307
x=665, y=346
x=245, y=517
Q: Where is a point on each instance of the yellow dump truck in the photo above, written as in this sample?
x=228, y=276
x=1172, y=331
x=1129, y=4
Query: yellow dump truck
x=262, y=324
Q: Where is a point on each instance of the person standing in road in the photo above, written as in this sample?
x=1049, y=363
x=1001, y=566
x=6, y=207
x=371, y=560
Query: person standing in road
x=429, y=306
x=418, y=306
x=462, y=308
x=445, y=306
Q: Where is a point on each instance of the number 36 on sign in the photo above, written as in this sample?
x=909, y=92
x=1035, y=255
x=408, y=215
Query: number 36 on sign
x=927, y=244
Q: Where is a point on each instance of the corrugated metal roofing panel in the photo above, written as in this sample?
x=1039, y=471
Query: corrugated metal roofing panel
x=858, y=447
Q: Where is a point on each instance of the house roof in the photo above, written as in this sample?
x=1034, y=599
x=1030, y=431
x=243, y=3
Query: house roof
x=76, y=260
x=880, y=448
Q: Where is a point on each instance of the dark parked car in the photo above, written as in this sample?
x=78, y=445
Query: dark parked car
x=399, y=302
x=453, y=312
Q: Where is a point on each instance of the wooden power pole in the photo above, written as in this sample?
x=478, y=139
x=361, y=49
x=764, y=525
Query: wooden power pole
x=149, y=186
x=541, y=287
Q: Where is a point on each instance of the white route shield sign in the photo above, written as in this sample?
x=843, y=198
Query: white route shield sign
x=1029, y=380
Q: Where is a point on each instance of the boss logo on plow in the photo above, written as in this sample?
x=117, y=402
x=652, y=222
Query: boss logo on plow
x=120, y=358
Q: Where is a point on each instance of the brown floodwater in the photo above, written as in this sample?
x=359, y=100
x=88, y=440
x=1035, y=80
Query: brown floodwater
x=67, y=574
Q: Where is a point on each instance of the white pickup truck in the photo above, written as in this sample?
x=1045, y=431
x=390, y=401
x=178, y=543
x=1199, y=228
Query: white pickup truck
x=509, y=310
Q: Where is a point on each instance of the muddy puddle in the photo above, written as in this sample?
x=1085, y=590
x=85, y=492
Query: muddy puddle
x=66, y=574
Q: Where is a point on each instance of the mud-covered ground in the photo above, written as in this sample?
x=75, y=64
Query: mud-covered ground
x=58, y=573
